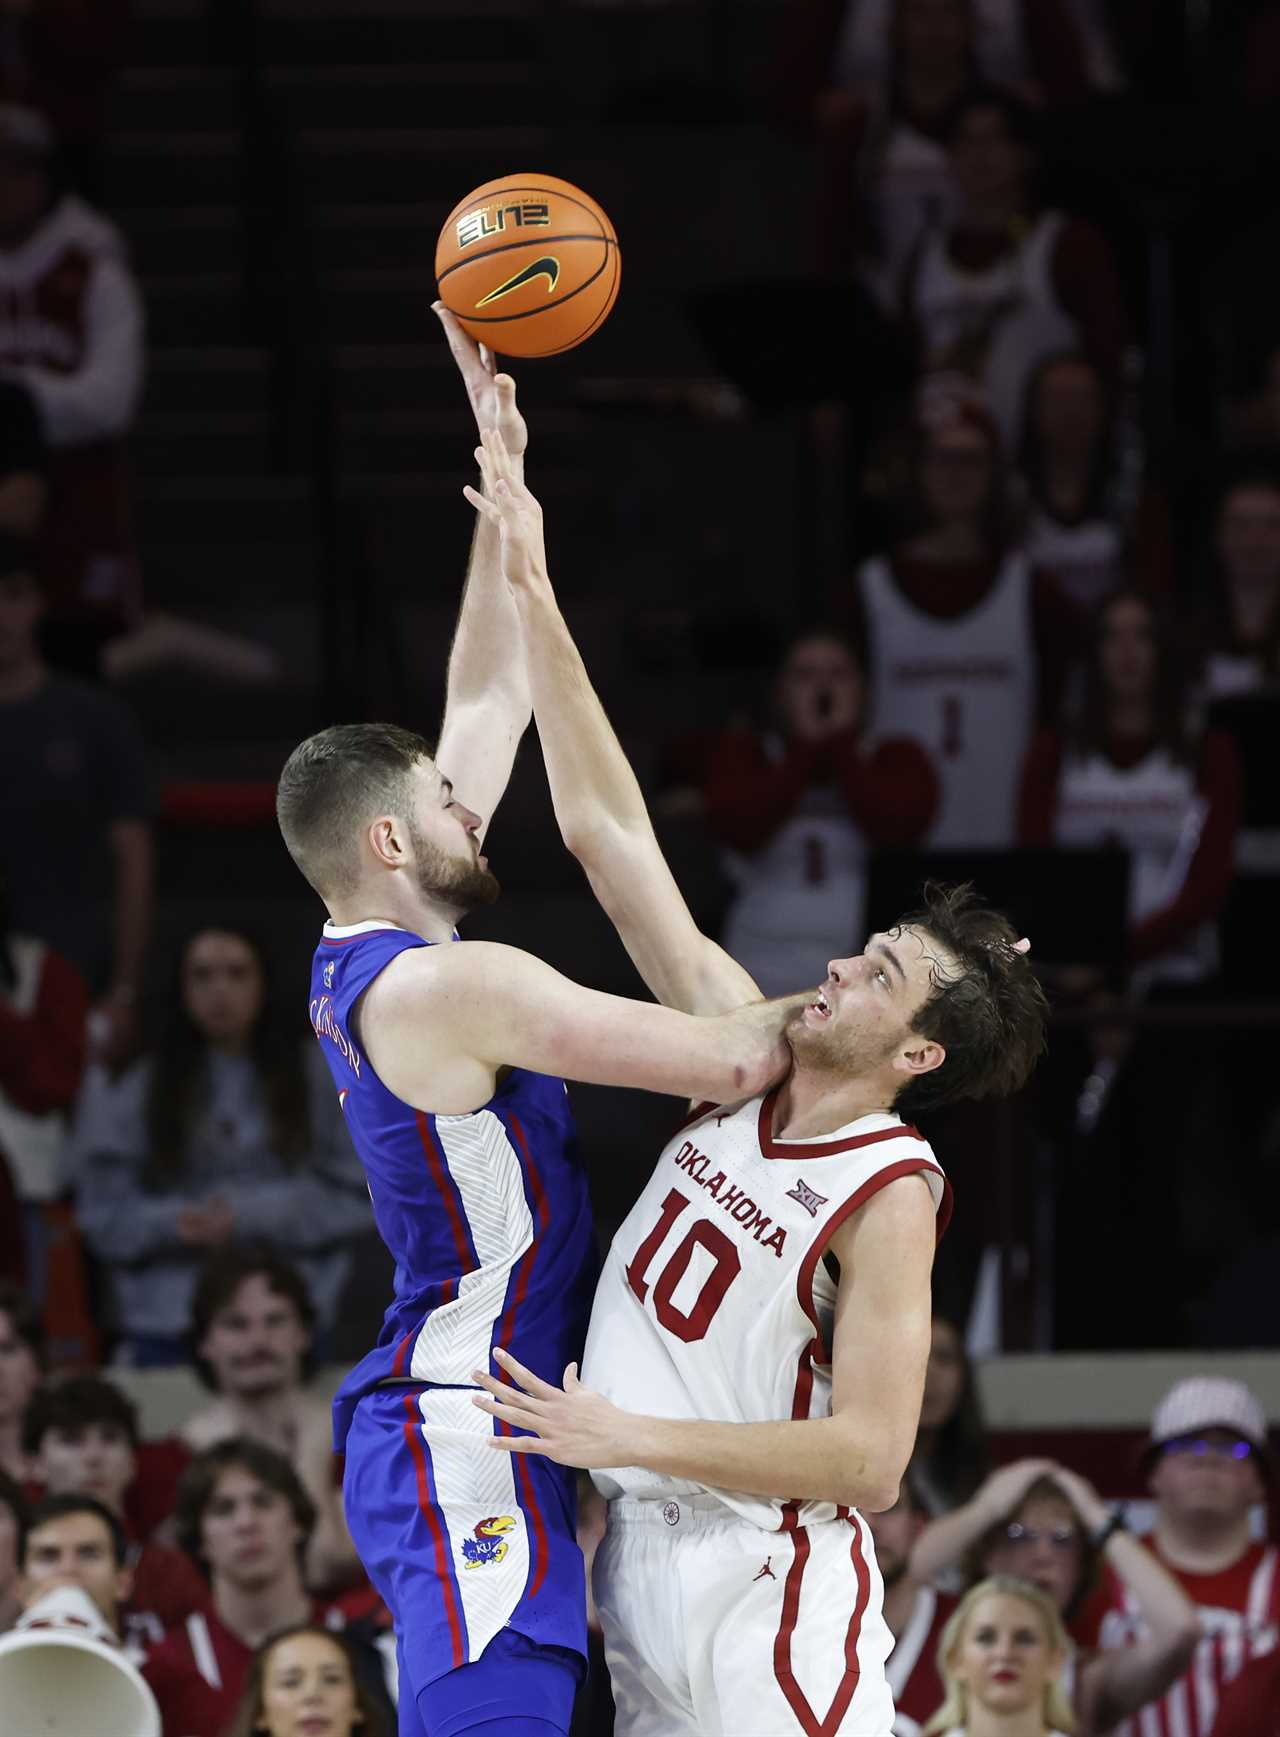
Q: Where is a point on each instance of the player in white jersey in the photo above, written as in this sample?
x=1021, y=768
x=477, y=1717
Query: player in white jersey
x=773, y=1277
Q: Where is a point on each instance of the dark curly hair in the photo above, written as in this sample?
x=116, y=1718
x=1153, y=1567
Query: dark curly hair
x=989, y=1016
x=73, y=1402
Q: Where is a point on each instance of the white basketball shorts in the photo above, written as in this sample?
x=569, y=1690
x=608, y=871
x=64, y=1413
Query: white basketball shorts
x=715, y=1628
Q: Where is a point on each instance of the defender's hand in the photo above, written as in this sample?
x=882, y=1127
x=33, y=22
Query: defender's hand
x=492, y=395
x=509, y=505
x=569, y=1424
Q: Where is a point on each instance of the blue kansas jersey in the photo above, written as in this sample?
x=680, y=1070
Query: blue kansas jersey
x=488, y=1219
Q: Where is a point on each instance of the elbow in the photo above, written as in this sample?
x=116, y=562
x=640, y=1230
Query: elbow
x=877, y=1495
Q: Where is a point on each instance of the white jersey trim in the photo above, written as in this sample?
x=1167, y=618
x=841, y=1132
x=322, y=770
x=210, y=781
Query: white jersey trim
x=340, y=931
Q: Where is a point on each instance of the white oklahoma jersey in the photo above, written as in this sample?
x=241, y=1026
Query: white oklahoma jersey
x=728, y=1613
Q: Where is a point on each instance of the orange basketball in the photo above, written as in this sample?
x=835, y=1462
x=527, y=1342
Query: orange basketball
x=529, y=264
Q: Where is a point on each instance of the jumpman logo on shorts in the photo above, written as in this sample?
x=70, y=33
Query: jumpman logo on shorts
x=765, y=1571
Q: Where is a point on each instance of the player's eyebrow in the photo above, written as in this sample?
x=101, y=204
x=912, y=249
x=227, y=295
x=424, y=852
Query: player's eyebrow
x=888, y=953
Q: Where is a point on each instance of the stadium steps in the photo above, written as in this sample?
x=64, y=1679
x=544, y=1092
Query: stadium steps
x=411, y=164
x=201, y=239
x=174, y=170
x=434, y=93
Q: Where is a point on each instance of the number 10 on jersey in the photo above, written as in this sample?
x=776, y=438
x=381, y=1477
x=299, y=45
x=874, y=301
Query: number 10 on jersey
x=691, y=1325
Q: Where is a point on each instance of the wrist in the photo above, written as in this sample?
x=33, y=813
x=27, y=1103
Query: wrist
x=1113, y=1523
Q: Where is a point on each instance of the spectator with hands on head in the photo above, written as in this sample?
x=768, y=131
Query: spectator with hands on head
x=1042, y=1523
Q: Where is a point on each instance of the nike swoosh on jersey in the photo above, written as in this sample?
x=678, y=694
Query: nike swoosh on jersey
x=545, y=267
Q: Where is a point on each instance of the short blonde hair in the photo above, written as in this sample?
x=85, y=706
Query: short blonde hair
x=954, y=1711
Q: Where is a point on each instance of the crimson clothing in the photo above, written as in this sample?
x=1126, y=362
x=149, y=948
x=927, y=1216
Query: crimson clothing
x=150, y=1498
x=1208, y=876
x=167, y=1588
x=912, y=1670
x=198, y=1671
x=1250, y=1706
x=891, y=791
x=1239, y=1608
x=42, y=1042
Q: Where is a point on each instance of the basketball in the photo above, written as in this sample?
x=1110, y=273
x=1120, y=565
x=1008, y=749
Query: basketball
x=529, y=264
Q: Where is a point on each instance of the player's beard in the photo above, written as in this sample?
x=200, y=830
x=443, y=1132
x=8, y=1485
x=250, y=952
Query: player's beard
x=839, y=1052
x=457, y=881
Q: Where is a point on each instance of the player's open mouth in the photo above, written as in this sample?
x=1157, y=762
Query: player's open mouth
x=821, y=1006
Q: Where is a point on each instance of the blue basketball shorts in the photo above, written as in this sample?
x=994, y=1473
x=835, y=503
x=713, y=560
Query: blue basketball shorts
x=474, y=1552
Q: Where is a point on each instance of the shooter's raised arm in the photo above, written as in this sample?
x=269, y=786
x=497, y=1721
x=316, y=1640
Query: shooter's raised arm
x=487, y=704
x=599, y=806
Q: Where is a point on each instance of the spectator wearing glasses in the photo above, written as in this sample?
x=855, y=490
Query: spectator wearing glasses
x=1209, y=1468
x=1041, y=1523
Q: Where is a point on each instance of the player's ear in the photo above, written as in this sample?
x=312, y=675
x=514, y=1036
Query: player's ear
x=921, y=1055
x=387, y=841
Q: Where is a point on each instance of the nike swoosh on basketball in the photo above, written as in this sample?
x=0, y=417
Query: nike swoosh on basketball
x=545, y=267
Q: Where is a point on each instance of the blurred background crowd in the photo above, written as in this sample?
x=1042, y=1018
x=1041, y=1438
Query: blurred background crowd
x=918, y=511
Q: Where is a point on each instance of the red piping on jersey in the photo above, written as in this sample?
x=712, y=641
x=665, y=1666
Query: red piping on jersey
x=804, y=1286
x=695, y=1115
x=427, y=1507
x=448, y=1291
x=800, y=1151
x=524, y=1478
x=444, y=1182
x=808, y=1720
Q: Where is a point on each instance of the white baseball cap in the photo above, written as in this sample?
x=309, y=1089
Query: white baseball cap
x=1209, y=1402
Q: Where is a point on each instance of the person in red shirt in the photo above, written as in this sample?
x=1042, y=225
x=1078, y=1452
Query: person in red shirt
x=916, y=1614
x=1040, y=1522
x=82, y=1435
x=244, y=1515
x=1210, y=1468
x=44, y=1008
x=801, y=805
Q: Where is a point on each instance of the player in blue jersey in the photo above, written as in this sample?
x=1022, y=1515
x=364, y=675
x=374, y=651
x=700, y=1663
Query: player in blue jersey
x=449, y=1057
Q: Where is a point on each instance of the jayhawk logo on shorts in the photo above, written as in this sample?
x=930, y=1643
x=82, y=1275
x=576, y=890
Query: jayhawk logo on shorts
x=488, y=1545
x=328, y=974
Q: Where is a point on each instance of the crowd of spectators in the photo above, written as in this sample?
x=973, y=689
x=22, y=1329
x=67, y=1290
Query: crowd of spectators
x=201, y=1551
x=1019, y=657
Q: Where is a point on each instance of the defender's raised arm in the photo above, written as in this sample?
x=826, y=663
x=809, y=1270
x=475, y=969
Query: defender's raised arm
x=598, y=802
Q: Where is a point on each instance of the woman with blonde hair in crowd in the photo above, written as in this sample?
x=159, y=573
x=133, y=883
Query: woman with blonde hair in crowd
x=303, y=1681
x=1001, y=1657
x=1045, y=1526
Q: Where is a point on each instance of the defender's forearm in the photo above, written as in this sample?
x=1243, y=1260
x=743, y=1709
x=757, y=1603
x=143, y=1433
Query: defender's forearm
x=485, y=659
x=813, y=1459
x=592, y=784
